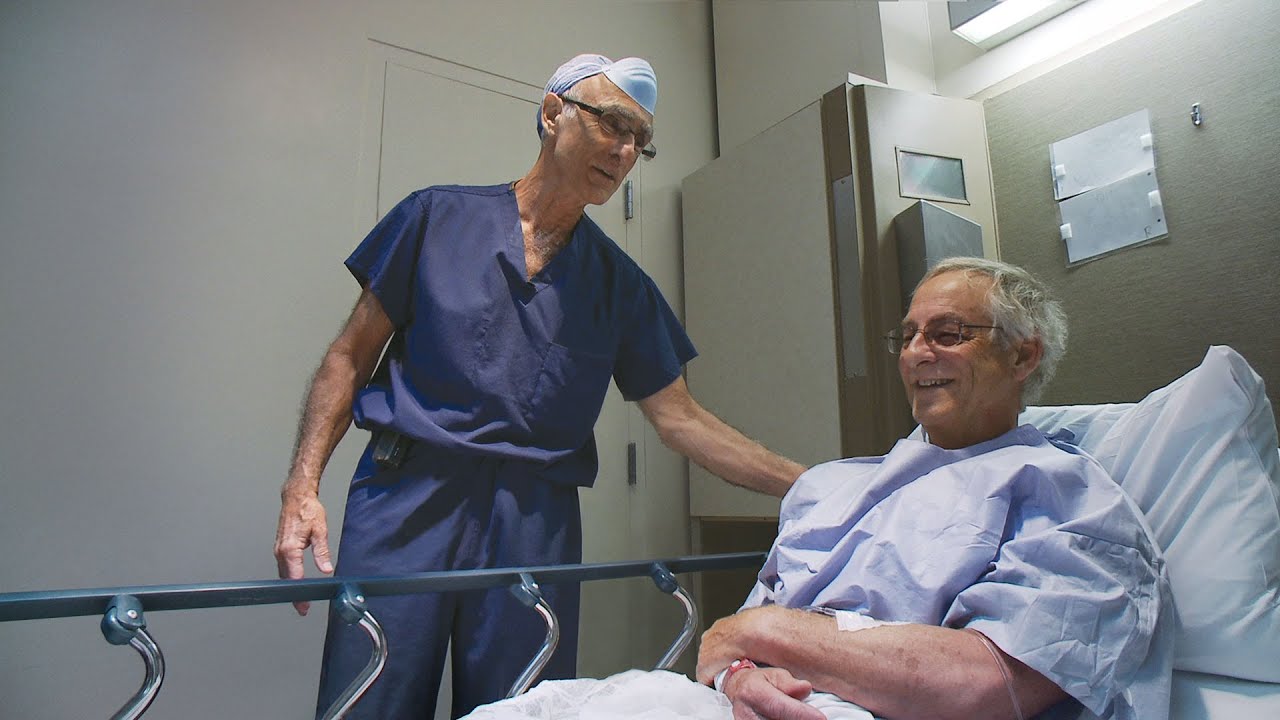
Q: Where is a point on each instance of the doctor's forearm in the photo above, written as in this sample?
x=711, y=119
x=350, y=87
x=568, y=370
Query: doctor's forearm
x=347, y=365
x=691, y=430
x=724, y=451
x=325, y=418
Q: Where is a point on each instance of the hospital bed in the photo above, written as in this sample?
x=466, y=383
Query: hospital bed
x=1199, y=456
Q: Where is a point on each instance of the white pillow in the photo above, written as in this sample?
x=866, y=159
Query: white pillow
x=1200, y=458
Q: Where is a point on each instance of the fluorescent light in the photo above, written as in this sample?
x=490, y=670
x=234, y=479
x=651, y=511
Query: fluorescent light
x=1004, y=16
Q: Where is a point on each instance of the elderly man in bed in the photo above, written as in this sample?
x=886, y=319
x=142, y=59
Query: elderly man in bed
x=977, y=570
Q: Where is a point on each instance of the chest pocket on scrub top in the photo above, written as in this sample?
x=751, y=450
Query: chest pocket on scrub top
x=568, y=394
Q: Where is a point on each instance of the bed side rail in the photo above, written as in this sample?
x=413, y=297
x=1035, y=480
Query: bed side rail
x=124, y=623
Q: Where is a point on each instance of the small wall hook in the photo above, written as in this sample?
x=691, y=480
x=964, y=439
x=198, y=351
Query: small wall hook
x=1196, y=117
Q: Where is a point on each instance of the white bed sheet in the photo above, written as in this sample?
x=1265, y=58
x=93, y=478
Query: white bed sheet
x=1198, y=696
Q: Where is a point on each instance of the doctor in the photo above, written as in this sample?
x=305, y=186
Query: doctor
x=508, y=313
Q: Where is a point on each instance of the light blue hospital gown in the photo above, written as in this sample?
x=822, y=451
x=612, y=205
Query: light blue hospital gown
x=1024, y=539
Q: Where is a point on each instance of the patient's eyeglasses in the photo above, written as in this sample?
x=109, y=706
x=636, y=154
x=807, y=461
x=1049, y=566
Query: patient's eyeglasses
x=945, y=333
x=616, y=124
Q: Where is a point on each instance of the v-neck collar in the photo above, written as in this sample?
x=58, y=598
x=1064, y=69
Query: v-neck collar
x=554, y=268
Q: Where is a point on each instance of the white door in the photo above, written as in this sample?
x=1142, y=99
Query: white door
x=432, y=122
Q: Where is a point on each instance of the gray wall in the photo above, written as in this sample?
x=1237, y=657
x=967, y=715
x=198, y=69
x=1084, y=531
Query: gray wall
x=1144, y=316
x=773, y=57
x=179, y=183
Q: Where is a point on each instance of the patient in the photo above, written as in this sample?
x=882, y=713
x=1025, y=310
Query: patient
x=979, y=570
x=1015, y=576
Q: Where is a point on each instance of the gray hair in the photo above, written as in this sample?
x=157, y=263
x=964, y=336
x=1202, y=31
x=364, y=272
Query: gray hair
x=1023, y=308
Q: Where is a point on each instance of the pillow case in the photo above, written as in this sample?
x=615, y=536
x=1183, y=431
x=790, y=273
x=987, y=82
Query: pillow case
x=1199, y=456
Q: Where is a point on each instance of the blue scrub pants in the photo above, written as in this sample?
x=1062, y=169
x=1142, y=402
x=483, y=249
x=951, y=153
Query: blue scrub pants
x=443, y=511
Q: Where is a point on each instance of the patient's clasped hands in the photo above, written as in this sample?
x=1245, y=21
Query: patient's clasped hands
x=770, y=694
x=766, y=693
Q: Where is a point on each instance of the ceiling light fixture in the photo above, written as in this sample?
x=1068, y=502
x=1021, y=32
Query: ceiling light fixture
x=987, y=24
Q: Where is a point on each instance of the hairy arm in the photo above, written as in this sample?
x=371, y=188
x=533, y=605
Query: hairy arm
x=347, y=365
x=691, y=430
x=916, y=671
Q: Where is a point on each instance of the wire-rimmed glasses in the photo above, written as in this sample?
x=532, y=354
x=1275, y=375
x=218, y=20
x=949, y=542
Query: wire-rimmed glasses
x=944, y=333
x=616, y=124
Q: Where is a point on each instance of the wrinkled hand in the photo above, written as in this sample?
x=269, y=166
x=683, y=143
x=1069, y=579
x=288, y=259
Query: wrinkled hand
x=302, y=525
x=770, y=694
x=727, y=639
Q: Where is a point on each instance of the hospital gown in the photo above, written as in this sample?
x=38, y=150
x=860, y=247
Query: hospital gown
x=1024, y=539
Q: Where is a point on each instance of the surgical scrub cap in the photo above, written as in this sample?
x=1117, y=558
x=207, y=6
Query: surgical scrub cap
x=633, y=75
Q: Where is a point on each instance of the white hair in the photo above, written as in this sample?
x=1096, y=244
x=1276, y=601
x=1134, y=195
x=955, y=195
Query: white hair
x=1023, y=308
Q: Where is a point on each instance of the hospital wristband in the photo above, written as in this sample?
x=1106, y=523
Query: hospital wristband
x=735, y=666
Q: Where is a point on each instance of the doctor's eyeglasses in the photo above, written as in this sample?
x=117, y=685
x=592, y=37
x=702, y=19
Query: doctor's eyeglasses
x=615, y=124
x=945, y=334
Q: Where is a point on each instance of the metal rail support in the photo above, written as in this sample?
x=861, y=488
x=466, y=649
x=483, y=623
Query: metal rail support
x=667, y=583
x=124, y=624
x=529, y=595
x=351, y=607
x=120, y=608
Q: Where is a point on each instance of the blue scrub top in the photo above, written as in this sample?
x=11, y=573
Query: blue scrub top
x=486, y=362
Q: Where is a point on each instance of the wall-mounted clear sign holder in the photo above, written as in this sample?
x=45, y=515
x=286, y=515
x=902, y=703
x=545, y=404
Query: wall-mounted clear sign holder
x=1101, y=156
